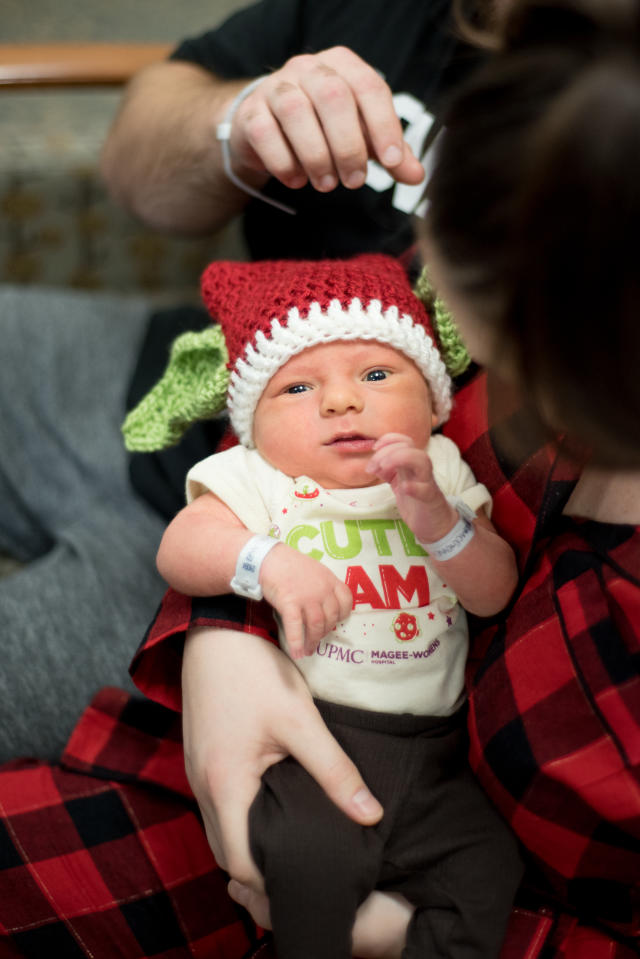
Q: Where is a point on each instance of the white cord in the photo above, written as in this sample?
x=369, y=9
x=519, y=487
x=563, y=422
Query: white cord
x=223, y=134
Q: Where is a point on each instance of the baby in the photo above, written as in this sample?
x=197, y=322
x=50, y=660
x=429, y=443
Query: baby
x=335, y=388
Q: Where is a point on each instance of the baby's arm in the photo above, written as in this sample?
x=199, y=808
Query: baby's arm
x=484, y=573
x=198, y=555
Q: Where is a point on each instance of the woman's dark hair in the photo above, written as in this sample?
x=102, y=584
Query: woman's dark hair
x=534, y=208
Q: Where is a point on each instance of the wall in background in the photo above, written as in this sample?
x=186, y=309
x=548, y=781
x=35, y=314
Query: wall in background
x=32, y=115
x=135, y=20
x=57, y=226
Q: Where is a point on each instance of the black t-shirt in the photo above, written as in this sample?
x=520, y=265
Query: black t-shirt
x=414, y=45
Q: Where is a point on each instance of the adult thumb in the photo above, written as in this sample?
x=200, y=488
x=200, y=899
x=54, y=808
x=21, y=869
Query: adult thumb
x=311, y=743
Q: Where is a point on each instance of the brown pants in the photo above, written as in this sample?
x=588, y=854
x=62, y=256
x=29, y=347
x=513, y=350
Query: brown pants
x=441, y=844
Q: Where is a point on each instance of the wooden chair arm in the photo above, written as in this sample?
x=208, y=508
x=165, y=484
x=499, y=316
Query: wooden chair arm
x=67, y=65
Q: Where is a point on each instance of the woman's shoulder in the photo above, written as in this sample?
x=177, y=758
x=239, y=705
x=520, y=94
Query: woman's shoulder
x=580, y=543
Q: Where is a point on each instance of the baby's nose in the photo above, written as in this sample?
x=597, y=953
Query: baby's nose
x=340, y=398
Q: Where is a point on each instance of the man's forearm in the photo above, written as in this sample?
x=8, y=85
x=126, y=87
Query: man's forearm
x=161, y=159
x=317, y=119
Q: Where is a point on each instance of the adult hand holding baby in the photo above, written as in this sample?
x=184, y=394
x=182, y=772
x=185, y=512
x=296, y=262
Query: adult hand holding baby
x=246, y=707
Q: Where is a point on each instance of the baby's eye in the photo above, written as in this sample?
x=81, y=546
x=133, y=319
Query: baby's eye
x=296, y=388
x=374, y=375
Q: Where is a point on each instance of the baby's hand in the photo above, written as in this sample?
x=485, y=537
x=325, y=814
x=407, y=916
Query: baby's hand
x=310, y=599
x=398, y=461
x=409, y=471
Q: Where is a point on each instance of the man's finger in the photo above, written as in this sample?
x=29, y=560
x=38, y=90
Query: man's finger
x=375, y=104
x=337, y=111
x=256, y=126
x=297, y=118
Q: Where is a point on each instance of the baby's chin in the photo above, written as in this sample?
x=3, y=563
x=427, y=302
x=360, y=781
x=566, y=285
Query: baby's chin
x=342, y=473
x=355, y=478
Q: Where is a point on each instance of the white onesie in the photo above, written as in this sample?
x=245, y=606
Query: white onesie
x=404, y=646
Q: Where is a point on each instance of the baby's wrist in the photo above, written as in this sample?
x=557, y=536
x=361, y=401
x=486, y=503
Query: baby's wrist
x=452, y=542
x=439, y=521
x=246, y=580
x=273, y=568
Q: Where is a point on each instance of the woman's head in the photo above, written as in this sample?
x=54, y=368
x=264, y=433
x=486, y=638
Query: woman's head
x=534, y=215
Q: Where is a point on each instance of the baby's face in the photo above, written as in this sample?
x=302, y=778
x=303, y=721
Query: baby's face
x=321, y=413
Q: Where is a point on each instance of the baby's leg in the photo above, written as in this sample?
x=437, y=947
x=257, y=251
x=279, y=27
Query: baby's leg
x=380, y=929
x=318, y=864
x=469, y=902
x=453, y=856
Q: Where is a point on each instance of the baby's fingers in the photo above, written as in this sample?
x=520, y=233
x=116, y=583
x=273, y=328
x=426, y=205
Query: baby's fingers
x=400, y=460
x=410, y=488
x=345, y=601
x=293, y=624
x=387, y=439
x=335, y=607
x=320, y=618
x=320, y=622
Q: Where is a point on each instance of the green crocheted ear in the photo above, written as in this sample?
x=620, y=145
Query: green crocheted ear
x=193, y=387
x=454, y=353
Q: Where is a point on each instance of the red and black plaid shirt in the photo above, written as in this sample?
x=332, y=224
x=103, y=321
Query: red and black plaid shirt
x=554, y=724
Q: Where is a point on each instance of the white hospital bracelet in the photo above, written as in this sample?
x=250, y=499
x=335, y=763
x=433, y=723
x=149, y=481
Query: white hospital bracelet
x=458, y=537
x=250, y=559
x=223, y=134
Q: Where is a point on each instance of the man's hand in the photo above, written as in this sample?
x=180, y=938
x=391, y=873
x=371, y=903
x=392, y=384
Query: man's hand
x=245, y=707
x=309, y=598
x=319, y=118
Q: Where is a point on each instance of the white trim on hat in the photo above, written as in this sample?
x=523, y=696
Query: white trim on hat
x=263, y=358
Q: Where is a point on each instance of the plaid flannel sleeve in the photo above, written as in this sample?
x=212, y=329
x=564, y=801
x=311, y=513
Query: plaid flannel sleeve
x=157, y=664
x=555, y=722
x=555, y=693
x=527, y=478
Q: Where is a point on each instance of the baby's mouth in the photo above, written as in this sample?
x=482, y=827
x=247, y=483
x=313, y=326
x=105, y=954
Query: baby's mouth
x=352, y=443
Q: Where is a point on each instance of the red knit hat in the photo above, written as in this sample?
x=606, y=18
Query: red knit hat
x=273, y=309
